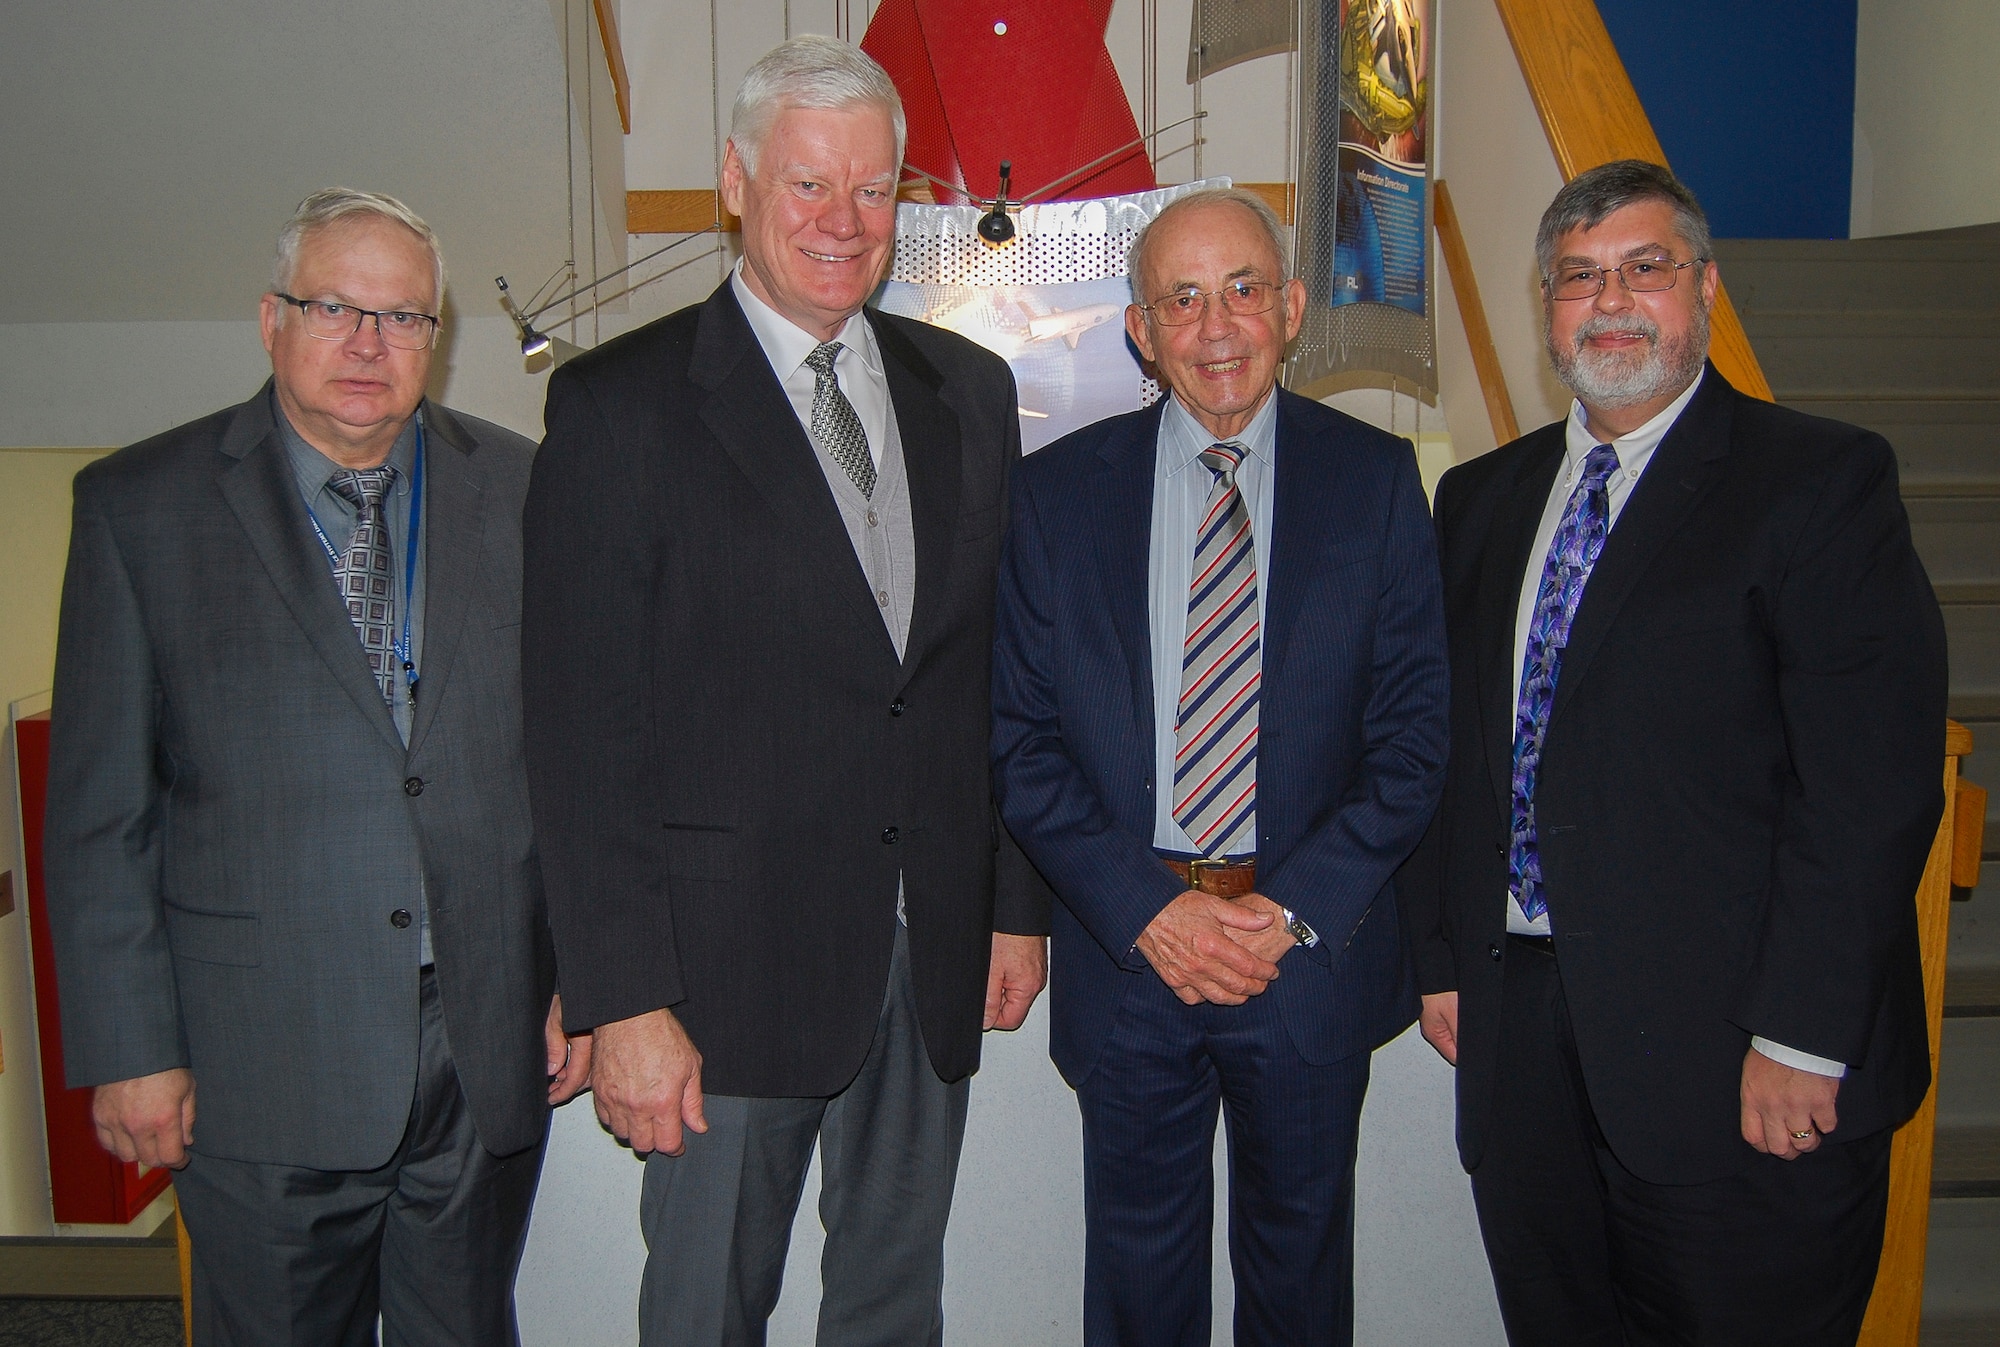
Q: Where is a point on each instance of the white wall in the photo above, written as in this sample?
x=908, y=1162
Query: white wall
x=1926, y=116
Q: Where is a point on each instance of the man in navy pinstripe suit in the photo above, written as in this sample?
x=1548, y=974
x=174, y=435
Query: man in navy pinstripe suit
x=1220, y=705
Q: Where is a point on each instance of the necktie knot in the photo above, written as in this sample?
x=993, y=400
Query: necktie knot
x=1222, y=459
x=1598, y=466
x=820, y=362
x=365, y=488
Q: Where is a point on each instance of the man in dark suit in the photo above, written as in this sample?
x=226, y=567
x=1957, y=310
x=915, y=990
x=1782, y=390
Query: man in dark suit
x=762, y=539
x=280, y=874
x=1664, y=915
x=1219, y=700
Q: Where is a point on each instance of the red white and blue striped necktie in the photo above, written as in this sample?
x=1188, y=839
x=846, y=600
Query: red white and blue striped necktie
x=1215, y=748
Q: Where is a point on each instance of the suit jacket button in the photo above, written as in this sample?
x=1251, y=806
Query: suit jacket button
x=896, y=708
x=400, y=918
x=1500, y=848
x=1494, y=951
x=413, y=785
x=889, y=836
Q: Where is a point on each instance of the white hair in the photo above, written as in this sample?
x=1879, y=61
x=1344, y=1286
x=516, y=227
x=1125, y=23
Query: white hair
x=1267, y=220
x=809, y=71
x=332, y=204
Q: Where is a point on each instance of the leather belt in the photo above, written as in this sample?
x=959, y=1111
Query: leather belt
x=1225, y=877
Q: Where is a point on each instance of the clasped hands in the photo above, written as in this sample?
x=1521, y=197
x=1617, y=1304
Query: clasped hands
x=1223, y=950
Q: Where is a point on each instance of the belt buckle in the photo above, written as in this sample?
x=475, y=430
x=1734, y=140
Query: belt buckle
x=1200, y=866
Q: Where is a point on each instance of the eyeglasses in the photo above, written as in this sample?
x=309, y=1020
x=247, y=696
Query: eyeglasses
x=330, y=321
x=1642, y=275
x=1240, y=299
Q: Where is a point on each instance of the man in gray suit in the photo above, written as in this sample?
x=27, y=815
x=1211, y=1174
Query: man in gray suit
x=289, y=859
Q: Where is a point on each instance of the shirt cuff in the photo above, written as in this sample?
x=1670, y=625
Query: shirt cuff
x=1803, y=1061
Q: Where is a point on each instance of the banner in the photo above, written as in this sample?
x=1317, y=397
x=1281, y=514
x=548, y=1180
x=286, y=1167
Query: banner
x=1362, y=223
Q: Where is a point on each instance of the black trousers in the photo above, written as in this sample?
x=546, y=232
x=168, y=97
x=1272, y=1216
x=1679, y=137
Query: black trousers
x=309, y=1257
x=1781, y=1253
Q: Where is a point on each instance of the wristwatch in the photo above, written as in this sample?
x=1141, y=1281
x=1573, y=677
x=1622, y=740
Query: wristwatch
x=1301, y=932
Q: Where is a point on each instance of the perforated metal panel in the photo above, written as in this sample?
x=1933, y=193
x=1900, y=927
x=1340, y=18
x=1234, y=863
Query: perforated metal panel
x=1053, y=243
x=1226, y=32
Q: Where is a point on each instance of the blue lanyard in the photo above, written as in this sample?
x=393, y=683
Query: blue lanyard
x=401, y=646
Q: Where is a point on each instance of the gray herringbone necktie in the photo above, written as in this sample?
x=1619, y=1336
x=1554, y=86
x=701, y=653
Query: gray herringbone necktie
x=364, y=574
x=835, y=426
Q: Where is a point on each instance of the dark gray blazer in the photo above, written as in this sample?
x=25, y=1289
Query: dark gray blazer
x=731, y=767
x=233, y=819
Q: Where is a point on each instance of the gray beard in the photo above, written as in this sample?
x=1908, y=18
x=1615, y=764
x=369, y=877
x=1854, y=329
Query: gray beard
x=1613, y=381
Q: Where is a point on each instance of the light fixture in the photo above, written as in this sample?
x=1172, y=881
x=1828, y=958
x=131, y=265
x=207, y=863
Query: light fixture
x=535, y=342
x=994, y=226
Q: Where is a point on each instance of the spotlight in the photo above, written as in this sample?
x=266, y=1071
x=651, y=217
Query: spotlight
x=995, y=226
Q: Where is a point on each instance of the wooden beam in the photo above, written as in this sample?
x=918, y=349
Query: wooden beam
x=1592, y=115
x=614, y=60
x=1472, y=313
x=1277, y=194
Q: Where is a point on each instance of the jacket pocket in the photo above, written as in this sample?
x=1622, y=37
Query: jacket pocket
x=214, y=937
x=701, y=851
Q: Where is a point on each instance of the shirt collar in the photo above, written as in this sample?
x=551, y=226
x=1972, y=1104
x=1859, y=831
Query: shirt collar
x=1183, y=438
x=786, y=344
x=1634, y=450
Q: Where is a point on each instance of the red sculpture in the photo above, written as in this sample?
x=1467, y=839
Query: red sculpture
x=1029, y=81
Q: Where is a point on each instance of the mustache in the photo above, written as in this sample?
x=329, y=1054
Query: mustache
x=1604, y=324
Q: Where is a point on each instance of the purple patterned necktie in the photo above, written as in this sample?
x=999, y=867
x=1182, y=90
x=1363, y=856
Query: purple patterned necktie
x=1573, y=551
x=364, y=573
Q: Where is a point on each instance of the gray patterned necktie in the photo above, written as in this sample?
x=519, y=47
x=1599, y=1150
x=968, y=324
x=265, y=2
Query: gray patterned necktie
x=835, y=426
x=364, y=573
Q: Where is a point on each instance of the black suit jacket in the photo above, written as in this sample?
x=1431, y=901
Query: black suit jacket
x=233, y=818
x=729, y=766
x=1739, y=784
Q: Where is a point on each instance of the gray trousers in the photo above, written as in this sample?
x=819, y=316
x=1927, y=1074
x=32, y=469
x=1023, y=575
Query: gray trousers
x=291, y=1257
x=718, y=1218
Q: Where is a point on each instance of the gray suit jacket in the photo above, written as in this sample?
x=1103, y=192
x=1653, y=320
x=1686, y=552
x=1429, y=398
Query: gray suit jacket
x=233, y=819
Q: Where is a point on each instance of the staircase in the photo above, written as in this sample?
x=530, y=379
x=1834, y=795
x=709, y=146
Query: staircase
x=1902, y=335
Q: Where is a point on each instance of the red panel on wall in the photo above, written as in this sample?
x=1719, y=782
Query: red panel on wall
x=89, y=1186
x=1029, y=81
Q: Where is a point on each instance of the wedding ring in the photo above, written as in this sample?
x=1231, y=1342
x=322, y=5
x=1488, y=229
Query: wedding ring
x=1802, y=1136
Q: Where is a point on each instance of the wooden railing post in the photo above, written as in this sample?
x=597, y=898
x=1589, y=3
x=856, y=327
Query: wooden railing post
x=1896, y=1309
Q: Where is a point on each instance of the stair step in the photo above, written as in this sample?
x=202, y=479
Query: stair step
x=1958, y=536
x=1844, y=274
x=1972, y=992
x=1968, y=591
x=1937, y=442
x=1902, y=352
x=1962, y=1274
x=1967, y=706
x=1968, y=1092
x=1972, y=635
x=1966, y=1158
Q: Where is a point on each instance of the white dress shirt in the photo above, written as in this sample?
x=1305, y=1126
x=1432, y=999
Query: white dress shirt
x=857, y=369
x=1181, y=485
x=1634, y=452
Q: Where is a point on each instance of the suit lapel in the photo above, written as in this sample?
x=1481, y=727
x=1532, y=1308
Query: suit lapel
x=1305, y=517
x=751, y=418
x=1679, y=474
x=1121, y=504
x=1510, y=541
x=932, y=462
x=452, y=524
x=263, y=492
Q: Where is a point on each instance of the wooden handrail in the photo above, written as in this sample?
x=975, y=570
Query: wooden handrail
x=1472, y=315
x=614, y=60
x=1897, y=1305
x=1591, y=115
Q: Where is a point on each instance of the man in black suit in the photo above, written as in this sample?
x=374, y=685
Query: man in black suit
x=758, y=637
x=1664, y=916
x=291, y=875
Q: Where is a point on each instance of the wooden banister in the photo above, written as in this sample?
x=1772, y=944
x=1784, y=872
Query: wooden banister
x=1472, y=314
x=614, y=60
x=1896, y=1308
x=1591, y=115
